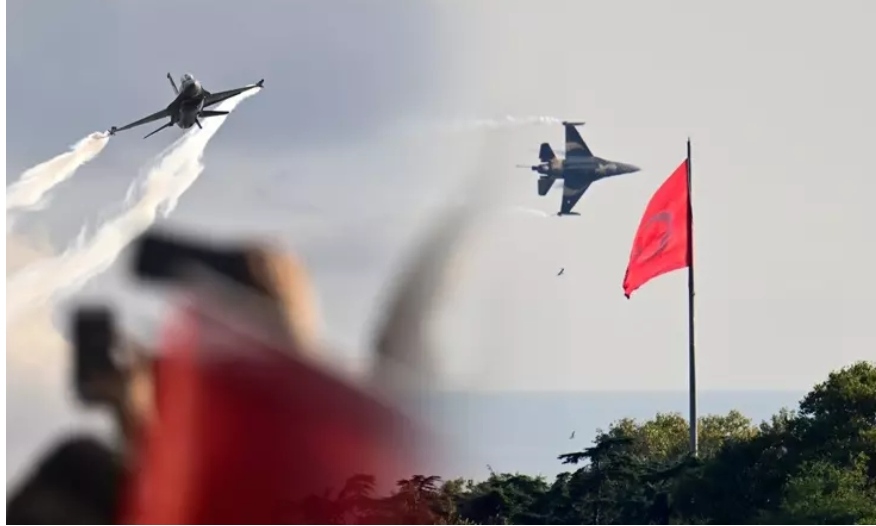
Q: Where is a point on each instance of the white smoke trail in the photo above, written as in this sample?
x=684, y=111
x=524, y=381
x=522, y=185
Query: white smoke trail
x=155, y=192
x=36, y=182
x=529, y=211
x=417, y=126
x=509, y=121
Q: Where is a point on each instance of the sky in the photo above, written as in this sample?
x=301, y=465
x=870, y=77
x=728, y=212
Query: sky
x=777, y=101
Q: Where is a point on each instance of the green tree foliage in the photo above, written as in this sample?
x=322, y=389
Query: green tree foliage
x=816, y=465
x=823, y=493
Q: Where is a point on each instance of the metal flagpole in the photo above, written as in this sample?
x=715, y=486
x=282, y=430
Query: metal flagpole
x=691, y=351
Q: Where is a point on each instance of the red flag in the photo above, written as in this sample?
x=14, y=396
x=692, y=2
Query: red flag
x=253, y=437
x=661, y=243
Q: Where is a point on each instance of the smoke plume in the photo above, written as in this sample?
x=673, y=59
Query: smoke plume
x=156, y=192
x=30, y=189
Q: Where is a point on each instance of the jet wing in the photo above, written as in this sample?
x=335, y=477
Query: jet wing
x=572, y=194
x=216, y=98
x=163, y=114
x=575, y=145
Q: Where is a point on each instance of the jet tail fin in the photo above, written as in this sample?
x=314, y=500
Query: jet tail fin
x=546, y=153
x=172, y=84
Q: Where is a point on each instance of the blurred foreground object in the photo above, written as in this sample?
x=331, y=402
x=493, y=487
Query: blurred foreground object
x=232, y=421
x=251, y=438
x=274, y=280
x=246, y=429
x=76, y=483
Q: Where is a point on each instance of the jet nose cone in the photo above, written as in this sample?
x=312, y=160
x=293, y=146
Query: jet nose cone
x=630, y=168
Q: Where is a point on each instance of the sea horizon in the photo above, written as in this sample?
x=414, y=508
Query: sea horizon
x=525, y=431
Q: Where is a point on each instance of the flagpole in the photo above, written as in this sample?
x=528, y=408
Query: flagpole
x=691, y=349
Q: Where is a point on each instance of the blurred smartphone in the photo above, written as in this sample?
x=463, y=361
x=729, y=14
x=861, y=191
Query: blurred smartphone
x=165, y=258
x=93, y=340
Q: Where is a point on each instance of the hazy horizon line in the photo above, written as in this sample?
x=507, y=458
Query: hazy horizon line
x=452, y=390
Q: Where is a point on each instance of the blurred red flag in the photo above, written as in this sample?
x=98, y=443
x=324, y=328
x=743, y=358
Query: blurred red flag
x=661, y=243
x=245, y=434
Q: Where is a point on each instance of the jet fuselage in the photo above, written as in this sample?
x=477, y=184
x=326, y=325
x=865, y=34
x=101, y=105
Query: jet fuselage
x=578, y=170
x=587, y=168
x=191, y=101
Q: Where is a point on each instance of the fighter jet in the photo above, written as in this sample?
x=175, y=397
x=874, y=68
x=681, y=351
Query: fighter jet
x=560, y=273
x=578, y=170
x=188, y=107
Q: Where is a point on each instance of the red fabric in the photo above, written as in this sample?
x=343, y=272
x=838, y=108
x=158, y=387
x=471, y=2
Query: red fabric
x=146, y=501
x=661, y=243
x=244, y=437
